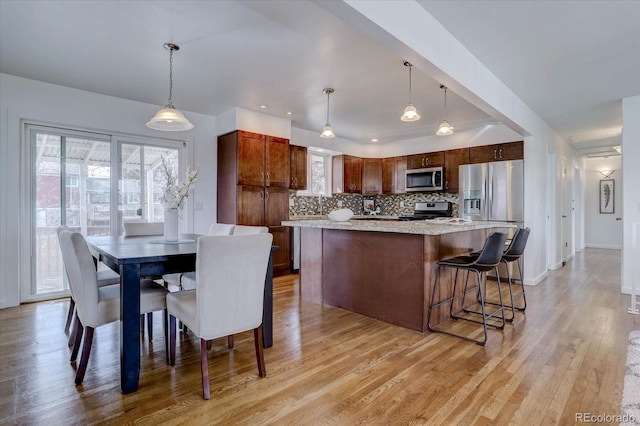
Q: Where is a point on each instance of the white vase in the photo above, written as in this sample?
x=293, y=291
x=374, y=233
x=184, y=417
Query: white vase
x=171, y=224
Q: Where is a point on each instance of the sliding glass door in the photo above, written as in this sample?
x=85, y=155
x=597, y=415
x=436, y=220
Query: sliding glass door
x=93, y=183
x=70, y=186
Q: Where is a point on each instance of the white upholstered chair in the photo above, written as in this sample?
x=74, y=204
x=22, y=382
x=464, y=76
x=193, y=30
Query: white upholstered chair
x=98, y=305
x=105, y=277
x=190, y=277
x=133, y=229
x=141, y=229
x=228, y=299
x=246, y=229
x=176, y=279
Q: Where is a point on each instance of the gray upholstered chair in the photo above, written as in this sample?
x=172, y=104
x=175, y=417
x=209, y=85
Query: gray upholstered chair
x=229, y=295
x=95, y=305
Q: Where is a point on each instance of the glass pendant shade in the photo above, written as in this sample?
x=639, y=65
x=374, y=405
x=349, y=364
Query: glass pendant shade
x=445, y=129
x=169, y=119
x=410, y=114
x=327, y=132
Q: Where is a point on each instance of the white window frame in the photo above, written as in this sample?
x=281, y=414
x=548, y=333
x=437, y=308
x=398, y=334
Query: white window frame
x=311, y=151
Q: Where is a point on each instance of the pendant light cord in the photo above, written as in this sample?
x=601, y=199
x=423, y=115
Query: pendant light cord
x=445, y=103
x=170, y=76
x=410, y=66
x=328, y=98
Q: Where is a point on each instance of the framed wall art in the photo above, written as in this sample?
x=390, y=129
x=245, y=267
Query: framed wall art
x=607, y=196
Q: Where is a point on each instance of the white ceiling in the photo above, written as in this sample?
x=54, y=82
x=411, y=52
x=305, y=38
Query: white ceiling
x=571, y=62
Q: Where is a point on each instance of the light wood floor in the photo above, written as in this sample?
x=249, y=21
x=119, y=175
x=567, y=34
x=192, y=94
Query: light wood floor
x=328, y=366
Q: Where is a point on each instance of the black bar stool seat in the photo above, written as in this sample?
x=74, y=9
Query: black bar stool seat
x=488, y=259
x=513, y=253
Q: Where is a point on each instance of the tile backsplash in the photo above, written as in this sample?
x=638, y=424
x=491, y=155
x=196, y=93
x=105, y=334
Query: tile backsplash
x=389, y=204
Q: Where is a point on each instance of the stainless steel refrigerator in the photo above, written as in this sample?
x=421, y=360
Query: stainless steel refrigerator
x=492, y=191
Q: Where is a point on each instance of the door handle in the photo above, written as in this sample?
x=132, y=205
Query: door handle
x=564, y=216
x=618, y=218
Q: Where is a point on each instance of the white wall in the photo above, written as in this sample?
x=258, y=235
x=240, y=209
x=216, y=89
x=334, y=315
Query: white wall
x=602, y=230
x=631, y=191
x=23, y=100
x=252, y=121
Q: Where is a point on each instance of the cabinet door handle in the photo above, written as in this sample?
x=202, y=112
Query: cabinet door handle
x=267, y=176
x=495, y=154
x=426, y=160
x=262, y=176
x=266, y=194
x=422, y=161
x=446, y=184
x=261, y=196
x=500, y=152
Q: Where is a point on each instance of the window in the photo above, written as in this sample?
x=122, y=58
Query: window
x=318, y=173
x=91, y=182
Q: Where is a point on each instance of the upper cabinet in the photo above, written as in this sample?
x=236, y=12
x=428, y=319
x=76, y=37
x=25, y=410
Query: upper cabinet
x=393, y=175
x=347, y=174
x=277, y=162
x=262, y=160
x=429, y=159
x=298, y=171
x=498, y=152
x=453, y=158
x=371, y=176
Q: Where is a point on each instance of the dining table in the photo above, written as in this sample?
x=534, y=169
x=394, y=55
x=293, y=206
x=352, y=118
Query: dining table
x=135, y=257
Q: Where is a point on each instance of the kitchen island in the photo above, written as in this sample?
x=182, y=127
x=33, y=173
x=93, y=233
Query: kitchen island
x=384, y=268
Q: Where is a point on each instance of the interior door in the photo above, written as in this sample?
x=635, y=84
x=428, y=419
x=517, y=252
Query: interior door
x=567, y=213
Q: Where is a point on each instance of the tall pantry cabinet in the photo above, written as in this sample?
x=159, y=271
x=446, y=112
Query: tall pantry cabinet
x=253, y=186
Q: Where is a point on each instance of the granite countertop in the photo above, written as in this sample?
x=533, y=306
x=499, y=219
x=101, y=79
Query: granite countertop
x=422, y=227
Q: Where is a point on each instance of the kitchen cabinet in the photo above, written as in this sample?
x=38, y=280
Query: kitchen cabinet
x=371, y=176
x=298, y=167
x=453, y=158
x=498, y=152
x=428, y=159
x=262, y=159
x=253, y=186
x=393, y=175
x=347, y=174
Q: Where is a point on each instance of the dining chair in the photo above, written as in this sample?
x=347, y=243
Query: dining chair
x=229, y=295
x=176, y=279
x=139, y=229
x=247, y=229
x=142, y=229
x=486, y=261
x=95, y=305
x=105, y=277
x=188, y=279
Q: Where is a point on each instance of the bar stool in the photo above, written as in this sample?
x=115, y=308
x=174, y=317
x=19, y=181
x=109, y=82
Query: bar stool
x=514, y=253
x=488, y=259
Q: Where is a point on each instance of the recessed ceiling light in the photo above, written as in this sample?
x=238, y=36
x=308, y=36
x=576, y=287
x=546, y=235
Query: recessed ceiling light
x=374, y=140
x=264, y=106
x=289, y=113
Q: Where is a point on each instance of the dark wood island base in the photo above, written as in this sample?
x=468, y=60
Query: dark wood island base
x=384, y=275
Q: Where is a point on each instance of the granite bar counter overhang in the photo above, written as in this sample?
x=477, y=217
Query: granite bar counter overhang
x=384, y=269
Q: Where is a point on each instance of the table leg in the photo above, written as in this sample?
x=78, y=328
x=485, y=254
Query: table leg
x=130, y=327
x=267, y=311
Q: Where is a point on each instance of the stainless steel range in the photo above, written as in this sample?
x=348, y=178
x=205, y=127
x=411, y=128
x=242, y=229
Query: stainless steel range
x=430, y=210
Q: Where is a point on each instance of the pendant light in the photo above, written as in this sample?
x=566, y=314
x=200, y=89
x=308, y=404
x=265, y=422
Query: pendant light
x=445, y=129
x=327, y=131
x=169, y=119
x=410, y=113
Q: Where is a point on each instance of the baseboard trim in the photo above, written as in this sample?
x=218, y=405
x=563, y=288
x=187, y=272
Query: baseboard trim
x=536, y=280
x=603, y=246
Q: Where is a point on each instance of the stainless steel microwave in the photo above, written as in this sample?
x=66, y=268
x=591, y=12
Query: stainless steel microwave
x=429, y=179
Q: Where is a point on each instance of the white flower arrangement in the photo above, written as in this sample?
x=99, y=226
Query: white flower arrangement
x=176, y=193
